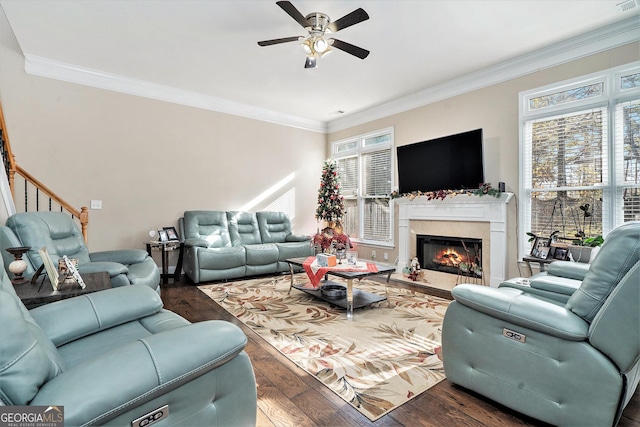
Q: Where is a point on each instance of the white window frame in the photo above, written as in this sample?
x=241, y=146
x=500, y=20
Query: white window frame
x=612, y=96
x=357, y=151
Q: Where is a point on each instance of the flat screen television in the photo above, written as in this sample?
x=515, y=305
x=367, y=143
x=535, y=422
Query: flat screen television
x=453, y=162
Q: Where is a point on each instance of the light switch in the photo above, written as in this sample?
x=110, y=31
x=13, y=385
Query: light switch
x=96, y=204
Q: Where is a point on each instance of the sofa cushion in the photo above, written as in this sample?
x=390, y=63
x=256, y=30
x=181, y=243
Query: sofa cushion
x=243, y=228
x=619, y=253
x=261, y=254
x=274, y=226
x=211, y=226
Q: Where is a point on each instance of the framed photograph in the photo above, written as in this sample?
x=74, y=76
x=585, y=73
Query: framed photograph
x=540, y=248
x=172, y=234
x=52, y=270
x=163, y=236
x=71, y=267
x=560, y=251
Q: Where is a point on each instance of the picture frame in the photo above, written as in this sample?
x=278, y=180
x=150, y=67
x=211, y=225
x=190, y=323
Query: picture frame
x=163, y=236
x=559, y=251
x=74, y=272
x=172, y=233
x=540, y=248
x=52, y=270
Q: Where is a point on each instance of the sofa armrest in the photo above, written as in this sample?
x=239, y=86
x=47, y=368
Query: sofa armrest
x=514, y=306
x=124, y=256
x=70, y=319
x=113, y=268
x=569, y=269
x=141, y=371
x=195, y=242
x=297, y=238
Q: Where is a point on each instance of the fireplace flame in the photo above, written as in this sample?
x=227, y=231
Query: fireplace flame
x=449, y=257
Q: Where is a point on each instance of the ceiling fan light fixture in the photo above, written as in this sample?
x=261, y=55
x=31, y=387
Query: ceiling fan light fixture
x=307, y=46
x=320, y=45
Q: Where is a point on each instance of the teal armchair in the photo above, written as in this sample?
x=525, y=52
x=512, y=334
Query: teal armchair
x=571, y=364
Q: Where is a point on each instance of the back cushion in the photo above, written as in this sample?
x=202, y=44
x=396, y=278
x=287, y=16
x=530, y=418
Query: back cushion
x=620, y=252
x=28, y=359
x=211, y=226
x=55, y=231
x=274, y=226
x=243, y=228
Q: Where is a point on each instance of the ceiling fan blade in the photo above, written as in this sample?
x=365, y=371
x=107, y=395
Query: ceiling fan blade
x=348, y=20
x=277, y=41
x=310, y=62
x=349, y=48
x=293, y=12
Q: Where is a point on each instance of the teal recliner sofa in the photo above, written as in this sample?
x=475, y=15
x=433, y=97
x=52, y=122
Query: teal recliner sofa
x=116, y=356
x=568, y=364
x=230, y=244
x=61, y=236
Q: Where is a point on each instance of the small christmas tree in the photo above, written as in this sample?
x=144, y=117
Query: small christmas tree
x=330, y=200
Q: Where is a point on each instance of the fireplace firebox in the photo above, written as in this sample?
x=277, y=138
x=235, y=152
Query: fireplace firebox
x=455, y=255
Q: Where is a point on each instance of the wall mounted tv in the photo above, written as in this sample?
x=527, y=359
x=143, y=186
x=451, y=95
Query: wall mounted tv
x=452, y=162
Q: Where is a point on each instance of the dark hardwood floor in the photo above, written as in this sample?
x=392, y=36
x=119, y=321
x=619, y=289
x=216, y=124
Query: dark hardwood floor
x=287, y=396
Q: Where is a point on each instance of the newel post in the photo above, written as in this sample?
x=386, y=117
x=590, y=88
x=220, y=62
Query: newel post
x=84, y=222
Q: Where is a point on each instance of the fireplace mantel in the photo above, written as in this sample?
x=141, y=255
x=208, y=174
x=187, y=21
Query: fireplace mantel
x=459, y=208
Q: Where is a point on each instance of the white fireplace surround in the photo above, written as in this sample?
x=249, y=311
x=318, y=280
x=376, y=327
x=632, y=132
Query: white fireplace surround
x=459, y=208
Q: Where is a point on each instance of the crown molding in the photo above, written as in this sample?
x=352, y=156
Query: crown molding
x=44, y=67
x=605, y=38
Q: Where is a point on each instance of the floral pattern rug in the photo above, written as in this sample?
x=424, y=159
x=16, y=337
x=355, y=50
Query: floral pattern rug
x=379, y=360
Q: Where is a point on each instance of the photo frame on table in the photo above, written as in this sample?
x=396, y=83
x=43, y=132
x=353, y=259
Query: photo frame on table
x=52, y=270
x=71, y=268
x=559, y=251
x=172, y=234
x=163, y=236
x=541, y=247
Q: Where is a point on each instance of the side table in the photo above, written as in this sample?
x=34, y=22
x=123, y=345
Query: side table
x=165, y=248
x=542, y=262
x=35, y=294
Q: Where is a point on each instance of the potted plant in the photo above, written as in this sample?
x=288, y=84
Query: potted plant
x=581, y=246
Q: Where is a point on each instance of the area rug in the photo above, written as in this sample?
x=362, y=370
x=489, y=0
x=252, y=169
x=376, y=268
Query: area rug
x=376, y=362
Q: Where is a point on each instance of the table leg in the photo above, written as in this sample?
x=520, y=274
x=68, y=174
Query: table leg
x=291, y=283
x=178, y=272
x=165, y=262
x=529, y=267
x=386, y=289
x=350, y=299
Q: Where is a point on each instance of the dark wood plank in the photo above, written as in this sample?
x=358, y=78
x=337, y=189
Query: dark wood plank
x=288, y=396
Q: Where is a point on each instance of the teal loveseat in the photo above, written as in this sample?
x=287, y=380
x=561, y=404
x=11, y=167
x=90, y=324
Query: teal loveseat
x=222, y=245
x=116, y=357
x=57, y=232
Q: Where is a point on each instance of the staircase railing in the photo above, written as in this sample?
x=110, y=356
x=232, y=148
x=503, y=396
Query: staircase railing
x=37, y=196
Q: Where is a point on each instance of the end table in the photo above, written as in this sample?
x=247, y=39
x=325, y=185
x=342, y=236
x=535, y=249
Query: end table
x=165, y=248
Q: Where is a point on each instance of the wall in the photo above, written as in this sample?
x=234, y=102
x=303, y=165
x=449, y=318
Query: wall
x=149, y=161
x=495, y=109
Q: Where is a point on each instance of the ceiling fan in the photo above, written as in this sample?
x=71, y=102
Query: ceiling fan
x=316, y=44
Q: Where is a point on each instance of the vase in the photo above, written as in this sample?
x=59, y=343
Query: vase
x=580, y=253
x=18, y=265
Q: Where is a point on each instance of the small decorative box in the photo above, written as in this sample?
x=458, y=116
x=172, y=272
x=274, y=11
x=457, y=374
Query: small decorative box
x=325, y=260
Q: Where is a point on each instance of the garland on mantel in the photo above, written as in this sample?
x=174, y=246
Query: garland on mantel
x=482, y=190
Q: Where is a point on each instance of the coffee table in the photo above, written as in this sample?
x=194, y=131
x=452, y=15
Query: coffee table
x=354, y=298
x=35, y=294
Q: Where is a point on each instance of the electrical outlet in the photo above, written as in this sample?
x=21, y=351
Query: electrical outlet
x=385, y=256
x=373, y=254
x=96, y=204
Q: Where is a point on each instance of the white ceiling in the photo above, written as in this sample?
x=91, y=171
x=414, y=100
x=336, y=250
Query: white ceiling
x=207, y=49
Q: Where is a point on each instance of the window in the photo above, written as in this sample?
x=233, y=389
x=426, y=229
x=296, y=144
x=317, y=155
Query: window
x=580, y=152
x=366, y=173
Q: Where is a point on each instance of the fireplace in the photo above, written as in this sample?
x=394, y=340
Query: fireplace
x=455, y=255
